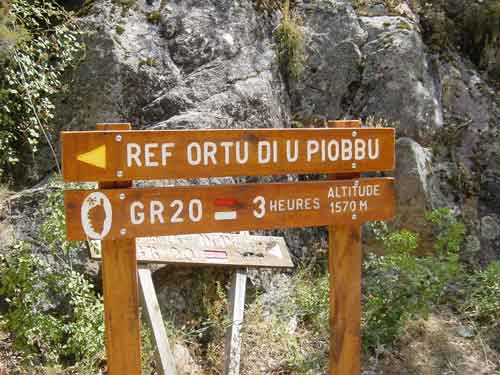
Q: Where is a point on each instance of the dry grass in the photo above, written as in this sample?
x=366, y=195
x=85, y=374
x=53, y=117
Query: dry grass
x=433, y=346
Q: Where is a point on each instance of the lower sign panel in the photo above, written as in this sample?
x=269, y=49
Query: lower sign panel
x=127, y=213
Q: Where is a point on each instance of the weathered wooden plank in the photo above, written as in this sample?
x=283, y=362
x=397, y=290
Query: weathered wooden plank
x=162, y=154
x=344, y=259
x=164, y=357
x=236, y=314
x=225, y=208
x=121, y=306
x=214, y=249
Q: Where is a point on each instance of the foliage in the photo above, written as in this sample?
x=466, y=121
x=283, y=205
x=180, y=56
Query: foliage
x=154, y=17
x=311, y=299
x=483, y=297
x=290, y=43
x=32, y=74
x=41, y=328
x=53, y=315
x=268, y=5
x=291, y=335
x=449, y=231
x=361, y=4
x=401, y=285
x=53, y=229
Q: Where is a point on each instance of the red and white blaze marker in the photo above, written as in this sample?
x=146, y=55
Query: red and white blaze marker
x=226, y=203
x=215, y=254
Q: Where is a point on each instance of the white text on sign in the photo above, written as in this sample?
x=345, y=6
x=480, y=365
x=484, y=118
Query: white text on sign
x=165, y=154
x=227, y=208
x=226, y=153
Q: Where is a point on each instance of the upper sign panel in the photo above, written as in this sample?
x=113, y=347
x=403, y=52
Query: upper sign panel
x=164, y=154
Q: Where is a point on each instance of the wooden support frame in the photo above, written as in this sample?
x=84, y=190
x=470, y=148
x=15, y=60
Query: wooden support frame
x=92, y=215
x=344, y=260
x=164, y=357
x=121, y=305
x=232, y=346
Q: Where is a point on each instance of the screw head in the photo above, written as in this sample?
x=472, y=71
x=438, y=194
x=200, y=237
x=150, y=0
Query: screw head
x=119, y=173
x=123, y=231
x=354, y=216
x=118, y=138
x=356, y=183
x=354, y=133
x=354, y=165
x=122, y=196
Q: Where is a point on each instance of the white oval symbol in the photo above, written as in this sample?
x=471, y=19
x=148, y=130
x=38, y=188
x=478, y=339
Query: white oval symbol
x=96, y=215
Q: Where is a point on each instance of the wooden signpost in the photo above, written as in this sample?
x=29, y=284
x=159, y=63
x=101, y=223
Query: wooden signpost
x=117, y=214
x=162, y=154
x=130, y=213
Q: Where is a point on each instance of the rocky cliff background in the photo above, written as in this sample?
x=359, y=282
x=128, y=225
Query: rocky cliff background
x=429, y=69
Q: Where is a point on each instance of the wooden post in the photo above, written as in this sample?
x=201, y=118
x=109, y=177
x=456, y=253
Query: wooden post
x=344, y=260
x=121, y=305
x=237, y=307
x=164, y=357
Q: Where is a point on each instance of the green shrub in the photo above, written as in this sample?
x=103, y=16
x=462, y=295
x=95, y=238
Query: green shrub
x=32, y=73
x=449, y=231
x=42, y=328
x=483, y=295
x=400, y=285
x=154, y=17
x=311, y=299
x=54, y=316
x=53, y=229
x=290, y=43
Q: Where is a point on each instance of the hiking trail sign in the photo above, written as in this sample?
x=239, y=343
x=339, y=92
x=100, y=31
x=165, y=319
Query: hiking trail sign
x=131, y=213
x=165, y=154
x=116, y=213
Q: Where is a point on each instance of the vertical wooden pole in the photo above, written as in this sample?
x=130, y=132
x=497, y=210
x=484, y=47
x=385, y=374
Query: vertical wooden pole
x=344, y=260
x=121, y=305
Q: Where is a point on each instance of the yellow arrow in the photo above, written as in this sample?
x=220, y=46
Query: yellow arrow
x=95, y=157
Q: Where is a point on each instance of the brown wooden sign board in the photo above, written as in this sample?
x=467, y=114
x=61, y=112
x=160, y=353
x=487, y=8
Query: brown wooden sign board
x=165, y=154
x=214, y=249
x=130, y=213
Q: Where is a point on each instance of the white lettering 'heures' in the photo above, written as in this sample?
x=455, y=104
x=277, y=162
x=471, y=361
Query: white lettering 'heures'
x=96, y=201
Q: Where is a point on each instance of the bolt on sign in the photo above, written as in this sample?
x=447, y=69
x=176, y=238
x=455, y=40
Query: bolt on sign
x=115, y=214
x=160, y=154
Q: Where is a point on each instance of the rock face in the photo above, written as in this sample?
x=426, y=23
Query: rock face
x=213, y=64
x=188, y=64
x=416, y=190
x=397, y=80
